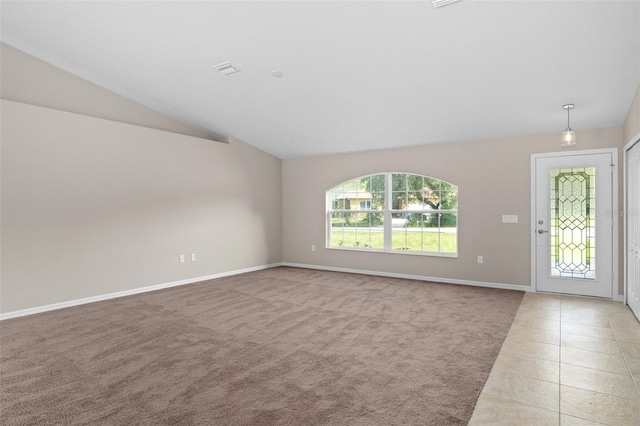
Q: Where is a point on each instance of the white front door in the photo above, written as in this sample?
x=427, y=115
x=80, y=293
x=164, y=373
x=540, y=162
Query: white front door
x=573, y=222
x=633, y=228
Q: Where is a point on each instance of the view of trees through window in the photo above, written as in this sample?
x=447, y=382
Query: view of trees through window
x=394, y=212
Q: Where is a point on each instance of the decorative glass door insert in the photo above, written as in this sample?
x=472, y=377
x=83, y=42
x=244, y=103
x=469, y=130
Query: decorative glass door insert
x=572, y=228
x=573, y=223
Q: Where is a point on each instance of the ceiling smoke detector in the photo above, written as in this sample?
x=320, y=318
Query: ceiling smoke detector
x=438, y=3
x=225, y=68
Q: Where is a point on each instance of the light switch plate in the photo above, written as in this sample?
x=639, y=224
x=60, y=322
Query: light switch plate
x=509, y=218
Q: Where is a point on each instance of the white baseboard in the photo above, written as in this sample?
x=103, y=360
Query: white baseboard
x=61, y=305
x=413, y=277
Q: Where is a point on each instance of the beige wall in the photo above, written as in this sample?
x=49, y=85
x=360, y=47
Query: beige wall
x=91, y=206
x=30, y=80
x=493, y=178
x=632, y=123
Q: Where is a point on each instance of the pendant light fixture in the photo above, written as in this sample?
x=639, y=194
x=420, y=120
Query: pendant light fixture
x=568, y=136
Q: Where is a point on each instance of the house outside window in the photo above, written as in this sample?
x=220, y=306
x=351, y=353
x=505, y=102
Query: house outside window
x=394, y=212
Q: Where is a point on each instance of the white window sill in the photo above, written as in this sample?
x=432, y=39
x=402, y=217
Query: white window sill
x=405, y=252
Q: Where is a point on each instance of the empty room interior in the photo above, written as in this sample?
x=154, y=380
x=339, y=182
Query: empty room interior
x=320, y=212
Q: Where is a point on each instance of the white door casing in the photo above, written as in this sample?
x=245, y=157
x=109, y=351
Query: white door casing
x=573, y=222
x=632, y=227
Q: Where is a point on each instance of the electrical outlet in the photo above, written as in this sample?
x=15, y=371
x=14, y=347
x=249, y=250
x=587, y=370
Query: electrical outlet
x=313, y=248
x=182, y=258
x=193, y=257
x=480, y=259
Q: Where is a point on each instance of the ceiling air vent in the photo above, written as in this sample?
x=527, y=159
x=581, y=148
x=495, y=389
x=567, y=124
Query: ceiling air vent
x=438, y=3
x=225, y=68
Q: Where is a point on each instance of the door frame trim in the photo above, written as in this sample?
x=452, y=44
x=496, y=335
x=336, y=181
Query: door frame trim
x=614, y=213
x=625, y=283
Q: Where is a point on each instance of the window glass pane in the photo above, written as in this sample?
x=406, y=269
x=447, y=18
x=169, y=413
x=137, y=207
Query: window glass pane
x=431, y=220
x=343, y=229
x=433, y=185
x=377, y=201
x=361, y=230
x=414, y=200
x=399, y=201
x=359, y=197
x=365, y=184
x=430, y=239
x=337, y=229
x=337, y=220
x=351, y=219
x=416, y=224
x=414, y=220
x=449, y=200
x=370, y=231
x=399, y=182
x=371, y=184
x=352, y=186
x=447, y=187
x=376, y=183
x=448, y=233
x=337, y=199
x=399, y=237
x=415, y=183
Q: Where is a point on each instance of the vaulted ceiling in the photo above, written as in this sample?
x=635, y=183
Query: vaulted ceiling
x=356, y=75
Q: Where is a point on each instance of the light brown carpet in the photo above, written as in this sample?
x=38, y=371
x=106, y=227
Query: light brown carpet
x=283, y=346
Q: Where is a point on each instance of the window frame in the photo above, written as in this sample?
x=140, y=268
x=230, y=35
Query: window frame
x=388, y=214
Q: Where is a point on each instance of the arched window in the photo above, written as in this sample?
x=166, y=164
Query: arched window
x=394, y=212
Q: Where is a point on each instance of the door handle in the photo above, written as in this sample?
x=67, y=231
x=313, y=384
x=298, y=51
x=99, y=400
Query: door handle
x=540, y=231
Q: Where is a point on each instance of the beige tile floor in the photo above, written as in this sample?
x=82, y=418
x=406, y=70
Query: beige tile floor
x=565, y=361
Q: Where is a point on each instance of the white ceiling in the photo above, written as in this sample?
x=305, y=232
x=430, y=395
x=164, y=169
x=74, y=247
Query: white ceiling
x=358, y=75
